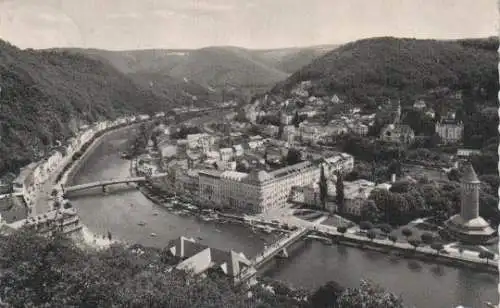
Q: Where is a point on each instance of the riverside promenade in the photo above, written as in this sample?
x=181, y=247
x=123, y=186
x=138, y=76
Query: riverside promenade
x=448, y=254
x=43, y=199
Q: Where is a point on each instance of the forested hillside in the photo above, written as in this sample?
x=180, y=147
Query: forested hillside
x=238, y=72
x=41, y=91
x=391, y=67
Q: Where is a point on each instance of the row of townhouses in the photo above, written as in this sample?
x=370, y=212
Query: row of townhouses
x=32, y=176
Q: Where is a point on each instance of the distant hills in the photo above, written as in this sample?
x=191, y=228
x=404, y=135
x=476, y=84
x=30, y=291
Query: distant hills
x=45, y=95
x=227, y=68
x=389, y=67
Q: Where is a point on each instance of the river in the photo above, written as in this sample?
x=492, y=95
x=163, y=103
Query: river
x=420, y=284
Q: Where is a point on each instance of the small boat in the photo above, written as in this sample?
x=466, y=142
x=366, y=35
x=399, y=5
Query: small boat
x=141, y=223
x=267, y=230
x=218, y=230
x=155, y=214
x=153, y=235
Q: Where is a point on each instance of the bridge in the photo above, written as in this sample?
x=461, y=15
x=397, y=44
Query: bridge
x=105, y=183
x=277, y=248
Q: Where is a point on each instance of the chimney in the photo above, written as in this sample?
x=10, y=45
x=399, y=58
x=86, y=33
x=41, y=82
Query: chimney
x=393, y=178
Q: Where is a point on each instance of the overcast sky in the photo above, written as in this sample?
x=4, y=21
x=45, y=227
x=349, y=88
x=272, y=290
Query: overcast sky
x=139, y=24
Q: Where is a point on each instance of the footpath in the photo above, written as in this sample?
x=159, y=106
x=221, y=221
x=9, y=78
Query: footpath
x=448, y=254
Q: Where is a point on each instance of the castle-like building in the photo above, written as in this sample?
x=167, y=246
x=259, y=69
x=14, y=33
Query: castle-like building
x=468, y=226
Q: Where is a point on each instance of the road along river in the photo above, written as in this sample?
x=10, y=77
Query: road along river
x=421, y=284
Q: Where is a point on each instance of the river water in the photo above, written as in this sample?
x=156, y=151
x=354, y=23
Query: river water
x=421, y=284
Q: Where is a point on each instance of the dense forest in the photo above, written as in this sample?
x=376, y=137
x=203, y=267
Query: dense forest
x=53, y=272
x=389, y=67
x=46, y=95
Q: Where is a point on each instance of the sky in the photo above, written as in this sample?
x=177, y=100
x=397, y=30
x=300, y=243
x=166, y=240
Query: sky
x=256, y=24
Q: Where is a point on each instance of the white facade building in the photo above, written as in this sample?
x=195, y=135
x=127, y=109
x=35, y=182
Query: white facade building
x=257, y=190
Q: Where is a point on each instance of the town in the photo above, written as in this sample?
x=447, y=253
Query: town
x=186, y=155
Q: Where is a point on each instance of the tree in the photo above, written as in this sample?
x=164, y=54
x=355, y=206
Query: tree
x=293, y=157
x=488, y=255
x=406, y=232
x=54, y=192
x=369, y=295
x=339, y=187
x=393, y=238
x=427, y=238
x=365, y=225
x=68, y=205
x=370, y=211
x=326, y=296
x=415, y=243
x=437, y=246
x=342, y=230
x=323, y=188
x=296, y=119
x=454, y=175
x=372, y=234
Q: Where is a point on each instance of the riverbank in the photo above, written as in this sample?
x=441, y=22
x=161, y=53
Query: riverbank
x=398, y=249
x=412, y=253
x=185, y=207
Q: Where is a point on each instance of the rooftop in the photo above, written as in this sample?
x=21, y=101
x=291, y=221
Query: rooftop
x=470, y=175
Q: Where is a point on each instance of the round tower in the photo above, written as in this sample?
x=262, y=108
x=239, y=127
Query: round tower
x=470, y=194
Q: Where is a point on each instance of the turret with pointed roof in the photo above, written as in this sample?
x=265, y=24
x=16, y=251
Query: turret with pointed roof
x=468, y=226
x=470, y=175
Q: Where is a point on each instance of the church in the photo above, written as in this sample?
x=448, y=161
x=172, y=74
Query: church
x=397, y=132
x=467, y=226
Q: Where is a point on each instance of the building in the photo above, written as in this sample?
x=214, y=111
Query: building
x=202, y=141
x=258, y=190
x=238, y=150
x=450, y=130
x=199, y=258
x=398, y=133
x=466, y=153
x=341, y=162
x=186, y=181
x=226, y=154
x=308, y=133
x=419, y=105
x=355, y=195
x=359, y=129
x=467, y=226
x=288, y=135
x=25, y=178
x=286, y=118
x=65, y=221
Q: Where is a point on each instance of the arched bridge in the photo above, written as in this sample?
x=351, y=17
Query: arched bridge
x=105, y=183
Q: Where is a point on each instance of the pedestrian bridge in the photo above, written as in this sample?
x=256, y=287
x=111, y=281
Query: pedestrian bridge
x=277, y=248
x=104, y=183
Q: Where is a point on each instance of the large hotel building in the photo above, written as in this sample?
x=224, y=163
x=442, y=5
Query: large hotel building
x=260, y=190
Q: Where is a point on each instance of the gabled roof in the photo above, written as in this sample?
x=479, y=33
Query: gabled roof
x=470, y=175
x=199, y=258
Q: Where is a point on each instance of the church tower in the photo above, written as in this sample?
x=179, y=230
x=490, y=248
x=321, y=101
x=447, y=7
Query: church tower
x=469, y=208
x=397, y=118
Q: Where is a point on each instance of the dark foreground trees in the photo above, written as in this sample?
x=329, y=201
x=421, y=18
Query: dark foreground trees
x=43, y=272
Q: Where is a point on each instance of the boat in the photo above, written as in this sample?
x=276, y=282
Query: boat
x=153, y=235
x=141, y=223
x=155, y=214
x=267, y=230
